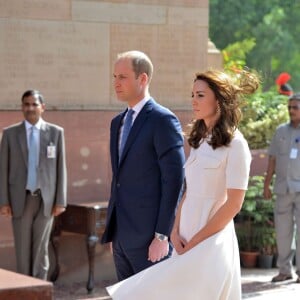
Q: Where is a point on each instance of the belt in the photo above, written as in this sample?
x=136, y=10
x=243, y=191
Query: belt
x=35, y=193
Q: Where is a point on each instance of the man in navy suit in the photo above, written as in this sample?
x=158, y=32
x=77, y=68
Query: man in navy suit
x=147, y=166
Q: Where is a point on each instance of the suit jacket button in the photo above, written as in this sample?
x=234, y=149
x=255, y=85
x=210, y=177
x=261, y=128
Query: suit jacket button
x=118, y=185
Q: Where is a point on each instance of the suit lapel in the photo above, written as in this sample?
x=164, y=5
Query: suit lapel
x=137, y=125
x=115, y=129
x=22, y=138
x=44, y=140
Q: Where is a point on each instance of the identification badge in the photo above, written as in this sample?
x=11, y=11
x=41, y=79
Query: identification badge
x=294, y=153
x=51, y=151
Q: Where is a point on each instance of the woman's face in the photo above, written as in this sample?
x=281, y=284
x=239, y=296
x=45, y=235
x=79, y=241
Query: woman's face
x=205, y=105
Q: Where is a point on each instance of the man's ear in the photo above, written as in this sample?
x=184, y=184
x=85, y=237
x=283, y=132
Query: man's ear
x=43, y=106
x=144, y=78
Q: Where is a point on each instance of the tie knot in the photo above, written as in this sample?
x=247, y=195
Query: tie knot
x=130, y=113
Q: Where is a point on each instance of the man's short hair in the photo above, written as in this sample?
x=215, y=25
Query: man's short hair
x=141, y=63
x=29, y=93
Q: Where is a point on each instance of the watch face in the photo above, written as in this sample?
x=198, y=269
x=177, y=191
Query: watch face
x=161, y=237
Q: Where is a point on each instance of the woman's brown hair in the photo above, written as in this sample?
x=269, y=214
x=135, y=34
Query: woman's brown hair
x=229, y=93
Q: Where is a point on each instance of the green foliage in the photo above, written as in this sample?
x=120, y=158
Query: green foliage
x=271, y=24
x=255, y=207
x=264, y=111
x=256, y=230
x=267, y=240
x=234, y=55
x=262, y=114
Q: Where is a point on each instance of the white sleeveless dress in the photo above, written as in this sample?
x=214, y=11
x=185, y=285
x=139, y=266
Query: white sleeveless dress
x=210, y=270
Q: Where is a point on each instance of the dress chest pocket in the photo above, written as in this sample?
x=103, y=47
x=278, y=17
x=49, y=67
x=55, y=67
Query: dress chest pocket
x=205, y=171
x=210, y=167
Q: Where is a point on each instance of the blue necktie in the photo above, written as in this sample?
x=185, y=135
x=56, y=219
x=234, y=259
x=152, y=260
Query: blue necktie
x=32, y=160
x=126, y=130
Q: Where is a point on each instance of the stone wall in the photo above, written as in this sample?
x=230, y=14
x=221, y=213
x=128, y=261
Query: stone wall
x=66, y=49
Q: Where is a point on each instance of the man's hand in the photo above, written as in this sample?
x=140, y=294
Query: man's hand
x=57, y=210
x=158, y=250
x=267, y=192
x=5, y=211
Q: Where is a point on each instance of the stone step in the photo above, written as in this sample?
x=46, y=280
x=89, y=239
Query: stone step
x=14, y=286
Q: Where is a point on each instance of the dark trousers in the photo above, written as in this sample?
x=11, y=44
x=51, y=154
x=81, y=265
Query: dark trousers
x=131, y=261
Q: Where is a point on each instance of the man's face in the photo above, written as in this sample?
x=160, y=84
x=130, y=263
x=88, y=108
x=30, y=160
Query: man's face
x=294, y=110
x=32, y=109
x=128, y=88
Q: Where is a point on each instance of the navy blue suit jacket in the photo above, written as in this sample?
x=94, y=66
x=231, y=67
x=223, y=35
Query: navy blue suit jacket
x=146, y=182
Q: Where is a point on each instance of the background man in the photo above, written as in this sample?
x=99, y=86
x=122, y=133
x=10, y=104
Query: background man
x=284, y=161
x=33, y=183
x=147, y=157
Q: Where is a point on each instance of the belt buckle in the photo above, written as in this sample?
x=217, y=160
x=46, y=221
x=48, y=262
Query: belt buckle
x=35, y=193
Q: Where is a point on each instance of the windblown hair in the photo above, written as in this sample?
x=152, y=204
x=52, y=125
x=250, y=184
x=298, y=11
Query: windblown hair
x=229, y=92
x=141, y=63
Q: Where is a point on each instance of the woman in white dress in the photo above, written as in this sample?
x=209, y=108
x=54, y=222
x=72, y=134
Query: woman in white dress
x=206, y=262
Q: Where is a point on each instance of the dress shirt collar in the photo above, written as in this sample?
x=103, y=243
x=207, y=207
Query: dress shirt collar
x=139, y=106
x=38, y=125
x=291, y=125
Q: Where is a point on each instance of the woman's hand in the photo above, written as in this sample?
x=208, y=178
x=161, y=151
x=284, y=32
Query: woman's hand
x=177, y=242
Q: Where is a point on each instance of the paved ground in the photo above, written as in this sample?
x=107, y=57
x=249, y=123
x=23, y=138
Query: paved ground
x=78, y=291
x=256, y=285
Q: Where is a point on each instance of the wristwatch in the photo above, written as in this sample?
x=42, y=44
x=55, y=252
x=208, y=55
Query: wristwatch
x=161, y=237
